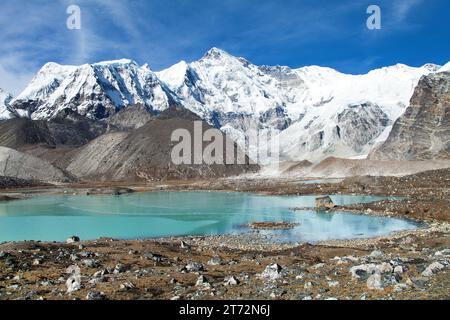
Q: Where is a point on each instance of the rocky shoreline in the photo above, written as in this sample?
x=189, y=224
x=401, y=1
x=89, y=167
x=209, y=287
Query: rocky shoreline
x=410, y=265
x=406, y=265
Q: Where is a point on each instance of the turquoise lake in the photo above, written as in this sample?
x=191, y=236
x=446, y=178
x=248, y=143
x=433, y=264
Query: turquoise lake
x=162, y=214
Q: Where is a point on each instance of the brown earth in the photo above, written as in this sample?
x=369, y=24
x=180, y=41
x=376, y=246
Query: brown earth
x=414, y=264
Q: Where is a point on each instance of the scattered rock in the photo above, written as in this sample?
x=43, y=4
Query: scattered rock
x=202, y=281
x=119, y=268
x=14, y=287
x=194, y=267
x=215, y=261
x=272, y=272
x=362, y=271
x=377, y=254
x=375, y=282
x=433, y=269
x=309, y=285
x=90, y=263
x=127, y=286
x=319, y=266
x=384, y=268
x=444, y=253
x=36, y=262
x=401, y=287
x=333, y=284
x=232, y=281
x=365, y=270
x=73, y=283
x=95, y=296
x=418, y=282
x=101, y=273
x=399, y=270
x=72, y=240
x=184, y=245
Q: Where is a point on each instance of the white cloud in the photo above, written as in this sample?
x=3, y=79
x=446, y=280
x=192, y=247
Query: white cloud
x=401, y=8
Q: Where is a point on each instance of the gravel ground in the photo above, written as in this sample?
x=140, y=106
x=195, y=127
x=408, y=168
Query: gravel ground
x=407, y=265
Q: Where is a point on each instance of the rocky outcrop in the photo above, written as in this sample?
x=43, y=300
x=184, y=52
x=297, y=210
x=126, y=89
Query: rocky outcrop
x=423, y=132
x=68, y=128
x=130, y=118
x=17, y=133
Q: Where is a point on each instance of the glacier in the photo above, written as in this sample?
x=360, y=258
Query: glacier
x=5, y=99
x=315, y=112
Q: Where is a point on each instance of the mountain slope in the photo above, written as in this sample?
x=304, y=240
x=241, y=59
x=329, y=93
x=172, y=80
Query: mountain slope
x=445, y=68
x=5, y=99
x=130, y=118
x=315, y=109
x=315, y=112
x=145, y=153
x=67, y=128
x=96, y=91
x=24, y=166
x=423, y=132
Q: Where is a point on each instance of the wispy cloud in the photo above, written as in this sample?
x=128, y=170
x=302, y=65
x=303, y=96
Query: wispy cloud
x=161, y=33
x=402, y=8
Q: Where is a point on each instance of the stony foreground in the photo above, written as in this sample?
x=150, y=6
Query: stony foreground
x=409, y=265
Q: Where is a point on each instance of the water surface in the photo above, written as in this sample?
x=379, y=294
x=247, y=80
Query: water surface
x=161, y=214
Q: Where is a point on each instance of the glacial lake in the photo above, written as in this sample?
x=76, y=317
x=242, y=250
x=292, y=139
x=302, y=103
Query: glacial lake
x=163, y=214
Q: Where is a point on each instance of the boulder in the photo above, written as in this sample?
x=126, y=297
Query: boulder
x=90, y=263
x=272, y=272
x=202, y=281
x=432, y=269
x=73, y=239
x=232, y=281
x=375, y=282
x=324, y=203
x=194, y=267
x=95, y=296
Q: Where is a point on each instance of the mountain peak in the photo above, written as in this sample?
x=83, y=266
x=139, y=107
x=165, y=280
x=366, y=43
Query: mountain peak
x=146, y=67
x=55, y=68
x=431, y=67
x=116, y=62
x=216, y=53
x=445, y=68
x=175, y=75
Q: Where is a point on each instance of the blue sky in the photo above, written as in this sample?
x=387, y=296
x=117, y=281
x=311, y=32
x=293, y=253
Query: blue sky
x=279, y=32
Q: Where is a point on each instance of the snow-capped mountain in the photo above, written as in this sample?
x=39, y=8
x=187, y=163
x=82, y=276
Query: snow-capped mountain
x=314, y=111
x=5, y=99
x=445, y=68
x=93, y=90
x=318, y=111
